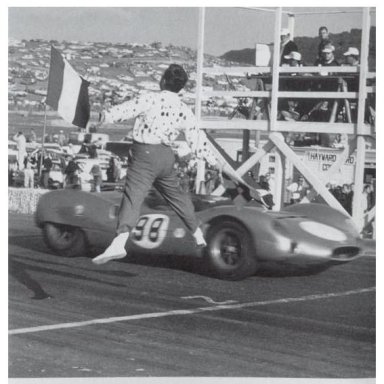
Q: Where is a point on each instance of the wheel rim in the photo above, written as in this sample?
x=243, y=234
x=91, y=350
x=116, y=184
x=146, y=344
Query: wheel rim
x=226, y=250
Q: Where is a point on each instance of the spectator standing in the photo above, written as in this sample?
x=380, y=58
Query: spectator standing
x=72, y=174
x=47, y=166
x=293, y=59
x=97, y=177
x=21, y=148
x=29, y=173
x=286, y=45
x=322, y=110
x=84, y=149
x=345, y=198
x=92, y=151
x=184, y=180
x=265, y=193
x=327, y=58
x=370, y=196
x=297, y=190
x=112, y=171
x=290, y=109
x=61, y=140
x=365, y=198
x=32, y=136
x=70, y=149
x=98, y=143
x=63, y=166
x=324, y=40
x=352, y=57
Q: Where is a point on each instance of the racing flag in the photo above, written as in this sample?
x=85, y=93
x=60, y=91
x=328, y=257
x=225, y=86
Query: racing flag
x=67, y=91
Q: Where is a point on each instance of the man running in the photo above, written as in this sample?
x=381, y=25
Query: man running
x=160, y=118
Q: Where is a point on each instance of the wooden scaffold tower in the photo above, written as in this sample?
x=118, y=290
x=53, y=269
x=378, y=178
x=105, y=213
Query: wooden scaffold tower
x=357, y=131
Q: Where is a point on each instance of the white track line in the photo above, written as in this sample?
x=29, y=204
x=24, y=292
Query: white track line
x=210, y=300
x=179, y=312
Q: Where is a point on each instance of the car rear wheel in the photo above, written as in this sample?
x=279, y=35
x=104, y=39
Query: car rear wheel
x=65, y=240
x=229, y=253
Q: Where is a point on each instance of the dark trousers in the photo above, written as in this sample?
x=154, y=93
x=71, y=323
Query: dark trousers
x=45, y=179
x=153, y=165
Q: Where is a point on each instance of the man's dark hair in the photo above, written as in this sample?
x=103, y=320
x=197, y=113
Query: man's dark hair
x=323, y=28
x=175, y=78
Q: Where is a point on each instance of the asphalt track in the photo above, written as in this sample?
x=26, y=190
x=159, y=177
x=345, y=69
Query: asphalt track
x=161, y=316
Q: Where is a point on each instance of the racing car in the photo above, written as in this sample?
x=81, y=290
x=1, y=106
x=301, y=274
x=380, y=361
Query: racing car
x=239, y=237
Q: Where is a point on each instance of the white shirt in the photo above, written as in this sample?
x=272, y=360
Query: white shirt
x=21, y=143
x=160, y=118
x=295, y=188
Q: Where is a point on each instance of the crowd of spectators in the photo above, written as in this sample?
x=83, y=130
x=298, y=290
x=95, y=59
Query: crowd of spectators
x=300, y=191
x=34, y=168
x=315, y=110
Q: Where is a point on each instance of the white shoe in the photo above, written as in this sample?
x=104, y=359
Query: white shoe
x=199, y=238
x=115, y=251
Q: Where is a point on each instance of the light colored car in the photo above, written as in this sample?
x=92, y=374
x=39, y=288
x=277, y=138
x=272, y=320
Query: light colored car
x=55, y=181
x=77, y=138
x=85, y=176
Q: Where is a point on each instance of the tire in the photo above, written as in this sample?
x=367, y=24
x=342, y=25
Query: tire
x=229, y=253
x=65, y=240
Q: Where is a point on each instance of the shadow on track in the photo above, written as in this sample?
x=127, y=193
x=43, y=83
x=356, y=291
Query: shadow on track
x=182, y=263
x=19, y=272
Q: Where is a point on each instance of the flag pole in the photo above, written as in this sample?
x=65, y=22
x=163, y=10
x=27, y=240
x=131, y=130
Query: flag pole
x=42, y=141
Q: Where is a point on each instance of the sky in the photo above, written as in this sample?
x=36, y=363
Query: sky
x=225, y=28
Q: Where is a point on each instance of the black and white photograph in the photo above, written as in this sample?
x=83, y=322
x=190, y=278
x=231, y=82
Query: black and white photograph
x=191, y=193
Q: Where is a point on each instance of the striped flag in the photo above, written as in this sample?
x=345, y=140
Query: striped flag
x=67, y=91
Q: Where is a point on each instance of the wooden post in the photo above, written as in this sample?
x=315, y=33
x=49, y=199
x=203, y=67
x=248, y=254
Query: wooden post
x=200, y=64
x=245, y=149
x=200, y=176
x=278, y=181
x=291, y=25
x=347, y=105
x=42, y=142
x=275, y=70
x=283, y=178
x=357, y=211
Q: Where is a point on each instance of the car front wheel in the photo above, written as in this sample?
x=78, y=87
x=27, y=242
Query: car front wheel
x=229, y=253
x=65, y=240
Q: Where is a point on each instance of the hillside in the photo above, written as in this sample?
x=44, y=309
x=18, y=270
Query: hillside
x=308, y=48
x=117, y=72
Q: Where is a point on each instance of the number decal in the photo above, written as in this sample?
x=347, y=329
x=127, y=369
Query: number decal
x=139, y=229
x=150, y=230
x=155, y=228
